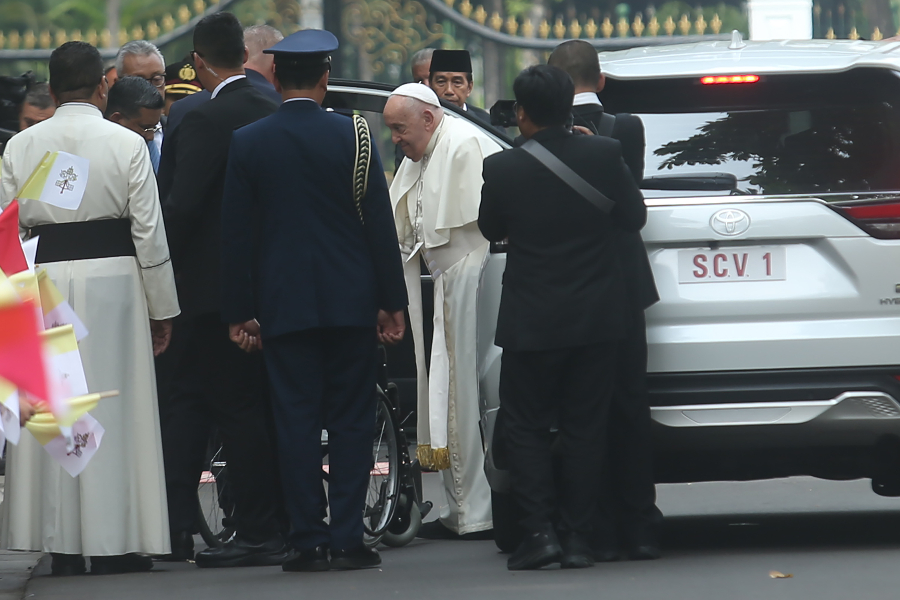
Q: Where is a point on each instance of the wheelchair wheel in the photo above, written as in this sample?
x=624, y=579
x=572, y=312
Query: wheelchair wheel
x=405, y=526
x=384, y=479
x=215, y=518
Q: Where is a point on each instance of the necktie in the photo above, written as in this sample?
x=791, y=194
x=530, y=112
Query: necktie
x=154, y=155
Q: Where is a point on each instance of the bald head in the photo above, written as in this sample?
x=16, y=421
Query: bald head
x=579, y=59
x=258, y=38
x=412, y=123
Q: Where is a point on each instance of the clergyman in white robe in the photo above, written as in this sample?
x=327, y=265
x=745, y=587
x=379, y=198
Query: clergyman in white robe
x=117, y=505
x=436, y=211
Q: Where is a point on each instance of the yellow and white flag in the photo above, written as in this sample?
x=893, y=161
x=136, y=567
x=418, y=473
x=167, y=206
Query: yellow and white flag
x=8, y=293
x=74, y=452
x=29, y=248
x=9, y=411
x=44, y=426
x=66, y=371
x=26, y=285
x=56, y=310
x=60, y=179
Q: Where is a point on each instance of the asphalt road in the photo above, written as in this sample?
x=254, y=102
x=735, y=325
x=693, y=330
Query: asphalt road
x=837, y=539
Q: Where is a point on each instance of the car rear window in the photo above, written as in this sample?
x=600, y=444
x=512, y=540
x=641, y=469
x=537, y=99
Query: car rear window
x=783, y=135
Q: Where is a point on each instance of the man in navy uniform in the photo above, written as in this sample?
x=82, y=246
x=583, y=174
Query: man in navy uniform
x=316, y=277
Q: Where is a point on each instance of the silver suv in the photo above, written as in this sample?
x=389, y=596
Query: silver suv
x=773, y=185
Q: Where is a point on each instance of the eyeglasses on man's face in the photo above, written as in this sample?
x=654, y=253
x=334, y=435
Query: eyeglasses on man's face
x=158, y=81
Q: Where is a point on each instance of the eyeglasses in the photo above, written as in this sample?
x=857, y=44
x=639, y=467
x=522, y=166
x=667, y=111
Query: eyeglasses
x=154, y=129
x=158, y=81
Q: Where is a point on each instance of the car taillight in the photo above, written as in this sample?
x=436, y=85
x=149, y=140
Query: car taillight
x=881, y=220
x=717, y=79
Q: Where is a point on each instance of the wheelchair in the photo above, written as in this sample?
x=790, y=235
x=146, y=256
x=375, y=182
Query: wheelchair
x=393, y=510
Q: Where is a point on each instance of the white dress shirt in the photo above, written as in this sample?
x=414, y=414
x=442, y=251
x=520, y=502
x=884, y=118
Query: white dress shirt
x=224, y=83
x=586, y=98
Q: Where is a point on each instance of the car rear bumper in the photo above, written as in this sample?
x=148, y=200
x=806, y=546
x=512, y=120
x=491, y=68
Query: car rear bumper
x=830, y=423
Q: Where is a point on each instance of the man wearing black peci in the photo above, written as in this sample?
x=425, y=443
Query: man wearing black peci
x=628, y=515
x=563, y=314
x=214, y=381
x=450, y=76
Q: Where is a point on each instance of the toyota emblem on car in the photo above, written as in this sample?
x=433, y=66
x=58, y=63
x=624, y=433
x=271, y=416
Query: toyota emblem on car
x=730, y=221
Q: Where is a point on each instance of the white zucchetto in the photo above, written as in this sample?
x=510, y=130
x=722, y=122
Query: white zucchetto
x=419, y=91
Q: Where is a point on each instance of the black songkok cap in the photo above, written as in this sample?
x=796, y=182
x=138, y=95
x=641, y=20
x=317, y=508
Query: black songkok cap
x=454, y=61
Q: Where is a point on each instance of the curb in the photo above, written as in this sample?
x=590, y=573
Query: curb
x=16, y=569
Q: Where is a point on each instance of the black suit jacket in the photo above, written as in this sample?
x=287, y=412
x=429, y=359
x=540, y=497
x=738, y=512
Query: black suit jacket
x=192, y=205
x=299, y=256
x=263, y=85
x=186, y=105
x=629, y=130
x=183, y=107
x=564, y=285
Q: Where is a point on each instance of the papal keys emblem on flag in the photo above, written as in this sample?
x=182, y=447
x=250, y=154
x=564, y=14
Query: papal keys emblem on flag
x=69, y=176
x=65, y=190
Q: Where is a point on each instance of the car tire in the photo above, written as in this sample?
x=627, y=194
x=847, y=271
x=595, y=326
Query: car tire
x=508, y=531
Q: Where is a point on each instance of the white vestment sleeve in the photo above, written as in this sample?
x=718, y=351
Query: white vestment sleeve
x=149, y=235
x=8, y=189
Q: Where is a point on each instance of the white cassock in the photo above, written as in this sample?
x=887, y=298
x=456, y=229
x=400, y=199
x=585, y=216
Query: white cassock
x=118, y=504
x=436, y=211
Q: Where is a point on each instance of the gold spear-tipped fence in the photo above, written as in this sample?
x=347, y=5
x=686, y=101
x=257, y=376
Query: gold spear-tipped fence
x=48, y=39
x=831, y=24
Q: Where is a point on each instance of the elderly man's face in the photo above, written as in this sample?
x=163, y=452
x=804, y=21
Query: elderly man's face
x=148, y=66
x=32, y=115
x=420, y=72
x=451, y=86
x=411, y=125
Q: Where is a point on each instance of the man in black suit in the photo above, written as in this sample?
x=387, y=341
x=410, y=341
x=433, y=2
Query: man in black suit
x=317, y=277
x=563, y=314
x=213, y=378
x=628, y=516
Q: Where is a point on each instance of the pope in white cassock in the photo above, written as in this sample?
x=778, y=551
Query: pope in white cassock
x=435, y=194
x=106, y=251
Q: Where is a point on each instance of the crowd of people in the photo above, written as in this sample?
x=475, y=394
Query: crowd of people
x=238, y=255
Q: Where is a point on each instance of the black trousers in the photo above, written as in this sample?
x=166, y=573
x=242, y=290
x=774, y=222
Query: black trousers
x=324, y=379
x=628, y=511
x=570, y=388
x=215, y=382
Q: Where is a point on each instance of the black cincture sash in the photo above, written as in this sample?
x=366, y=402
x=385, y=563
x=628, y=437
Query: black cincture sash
x=83, y=240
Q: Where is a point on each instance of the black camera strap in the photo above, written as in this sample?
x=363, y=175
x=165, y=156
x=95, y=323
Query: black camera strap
x=569, y=177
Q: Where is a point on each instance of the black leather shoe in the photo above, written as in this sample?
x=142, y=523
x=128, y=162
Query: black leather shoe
x=123, y=563
x=644, y=552
x=240, y=553
x=182, y=548
x=643, y=543
x=312, y=559
x=576, y=553
x=66, y=565
x=536, y=550
x=355, y=558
